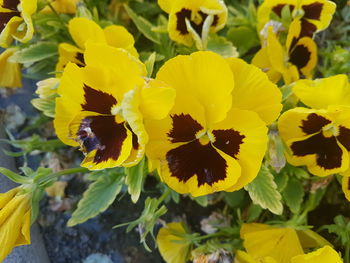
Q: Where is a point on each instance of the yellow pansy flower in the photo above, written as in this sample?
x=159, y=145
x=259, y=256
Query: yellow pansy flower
x=192, y=20
x=346, y=186
x=314, y=15
x=10, y=73
x=83, y=30
x=297, y=60
x=15, y=220
x=320, y=137
x=276, y=244
x=215, y=136
x=325, y=254
x=172, y=243
x=102, y=106
x=15, y=21
x=62, y=6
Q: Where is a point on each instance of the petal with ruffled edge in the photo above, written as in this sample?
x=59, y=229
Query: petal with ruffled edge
x=206, y=76
x=321, y=93
x=282, y=244
x=118, y=36
x=325, y=254
x=82, y=29
x=28, y=8
x=247, y=147
x=262, y=61
x=254, y=91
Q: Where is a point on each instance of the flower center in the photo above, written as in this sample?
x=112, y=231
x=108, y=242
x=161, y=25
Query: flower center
x=330, y=130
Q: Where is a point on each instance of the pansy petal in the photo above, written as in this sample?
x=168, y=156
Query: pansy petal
x=199, y=169
x=304, y=56
x=275, y=51
x=82, y=29
x=11, y=76
x=321, y=93
x=118, y=36
x=346, y=186
x=247, y=143
x=69, y=53
x=206, y=76
x=106, y=142
x=166, y=5
x=11, y=25
x=325, y=254
x=253, y=91
x=319, y=12
x=157, y=99
x=282, y=244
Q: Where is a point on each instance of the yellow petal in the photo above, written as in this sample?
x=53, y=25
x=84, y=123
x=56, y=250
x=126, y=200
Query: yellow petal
x=157, y=99
x=118, y=36
x=204, y=75
x=310, y=239
x=166, y=5
x=346, y=186
x=10, y=73
x=253, y=91
x=282, y=244
x=325, y=254
x=275, y=52
x=252, y=148
x=171, y=243
x=83, y=29
x=321, y=93
x=69, y=53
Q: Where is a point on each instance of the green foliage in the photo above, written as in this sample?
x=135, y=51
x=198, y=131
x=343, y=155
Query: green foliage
x=293, y=194
x=263, y=191
x=98, y=197
x=35, y=53
x=135, y=177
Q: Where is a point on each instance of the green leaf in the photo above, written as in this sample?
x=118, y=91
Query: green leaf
x=243, y=37
x=13, y=176
x=263, y=191
x=281, y=180
x=201, y=200
x=47, y=106
x=134, y=179
x=97, y=198
x=143, y=25
x=293, y=194
x=149, y=63
x=222, y=46
x=234, y=199
x=254, y=212
x=34, y=53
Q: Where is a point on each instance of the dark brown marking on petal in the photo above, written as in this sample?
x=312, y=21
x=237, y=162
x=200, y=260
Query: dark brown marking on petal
x=10, y=4
x=103, y=134
x=328, y=153
x=314, y=123
x=278, y=9
x=97, y=101
x=300, y=56
x=135, y=142
x=344, y=137
x=6, y=17
x=307, y=29
x=193, y=159
x=184, y=14
x=348, y=183
x=228, y=141
x=81, y=59
x=313, y=11
x=184, y=128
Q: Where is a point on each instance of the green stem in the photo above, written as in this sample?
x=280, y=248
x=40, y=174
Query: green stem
x=347, y=253
x=163, y=196
x=56, y=13
x=61, y=173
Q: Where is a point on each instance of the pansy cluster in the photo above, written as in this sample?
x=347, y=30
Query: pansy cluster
x=198, y=118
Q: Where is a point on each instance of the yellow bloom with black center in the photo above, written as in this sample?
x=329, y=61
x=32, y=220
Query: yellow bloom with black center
x=15, y=21
x=62, y=6
x=215, y=136
x=297, y=60
x=10, y=72
x=102, y=106
x=192, y=20
x=325, y=254
x=320, y=137
x=315, y=15
x=172, y=243
x=15, y=220
x=271, y=244
x=83, y=30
